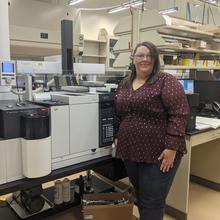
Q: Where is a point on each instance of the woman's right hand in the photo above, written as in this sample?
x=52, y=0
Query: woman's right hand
x=114, y=145
x=116, y=142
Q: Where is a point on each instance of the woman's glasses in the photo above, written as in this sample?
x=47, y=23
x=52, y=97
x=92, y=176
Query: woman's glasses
x=141, y=57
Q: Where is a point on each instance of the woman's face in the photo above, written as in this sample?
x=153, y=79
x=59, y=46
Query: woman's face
x=143, y=61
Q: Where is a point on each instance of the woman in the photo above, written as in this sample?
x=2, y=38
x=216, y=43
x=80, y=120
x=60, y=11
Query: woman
x=150, y=121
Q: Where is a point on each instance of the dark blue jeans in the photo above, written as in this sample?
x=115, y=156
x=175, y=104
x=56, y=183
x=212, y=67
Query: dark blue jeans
x=151, y=187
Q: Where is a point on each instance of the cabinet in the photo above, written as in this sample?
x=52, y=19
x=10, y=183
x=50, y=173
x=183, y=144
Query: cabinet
x=110, y=55
x=94, y=51
x=100, y=51
x=182, y=44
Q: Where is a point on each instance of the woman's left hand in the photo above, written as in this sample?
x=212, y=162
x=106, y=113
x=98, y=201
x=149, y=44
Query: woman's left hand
x=167, y=157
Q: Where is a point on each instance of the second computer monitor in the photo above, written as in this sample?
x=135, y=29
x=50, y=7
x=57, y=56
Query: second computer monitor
x=209, y=91
x=188, y=85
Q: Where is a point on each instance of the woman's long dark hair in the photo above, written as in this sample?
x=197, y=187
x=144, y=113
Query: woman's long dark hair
x=155, y=57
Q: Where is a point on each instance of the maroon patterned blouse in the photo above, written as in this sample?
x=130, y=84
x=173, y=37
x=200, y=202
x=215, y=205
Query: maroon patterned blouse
x=150, y=119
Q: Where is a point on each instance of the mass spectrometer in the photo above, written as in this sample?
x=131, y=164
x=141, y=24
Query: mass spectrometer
x=83, y=129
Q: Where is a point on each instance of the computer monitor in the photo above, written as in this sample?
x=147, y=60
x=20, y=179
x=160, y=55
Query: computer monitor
x=188, y=85
x=7, y=73
x=216, y=74
x=8, y=68
x=209, y=91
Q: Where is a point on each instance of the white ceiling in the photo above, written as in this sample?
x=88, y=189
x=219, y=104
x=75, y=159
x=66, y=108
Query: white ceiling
x=103, y=3
x=88, y=3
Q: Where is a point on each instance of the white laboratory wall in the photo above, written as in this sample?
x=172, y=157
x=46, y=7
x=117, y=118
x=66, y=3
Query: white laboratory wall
x=93, y=21
x=25, y=33
x=152, y=4
x=37, y=14
x=4, y=30
x=28, y=19
x=213, y=18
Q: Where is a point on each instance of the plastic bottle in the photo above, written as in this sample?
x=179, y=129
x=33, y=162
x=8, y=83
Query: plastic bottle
x=58, y=192
x=66, y=190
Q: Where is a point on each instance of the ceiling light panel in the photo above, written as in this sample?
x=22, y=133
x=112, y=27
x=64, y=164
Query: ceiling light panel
x=74, y=2
x=126, y=5
x=168, y=10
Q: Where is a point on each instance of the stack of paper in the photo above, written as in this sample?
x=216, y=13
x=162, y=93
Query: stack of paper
x=209, y=122
x=201, y=127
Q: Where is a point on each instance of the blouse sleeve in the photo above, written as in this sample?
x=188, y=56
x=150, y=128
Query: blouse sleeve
x=176, y=104
x=117, y=117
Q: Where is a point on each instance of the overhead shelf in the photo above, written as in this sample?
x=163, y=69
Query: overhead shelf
x=122, y=51
x=95, y=41
x=185, y=32
x=94, y=55
x=117, y=70
x=177, y=67
x=173, y=36
x=190, y=50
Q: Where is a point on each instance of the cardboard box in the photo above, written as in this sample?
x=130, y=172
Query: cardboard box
x=108, y=212
x=199, y=44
